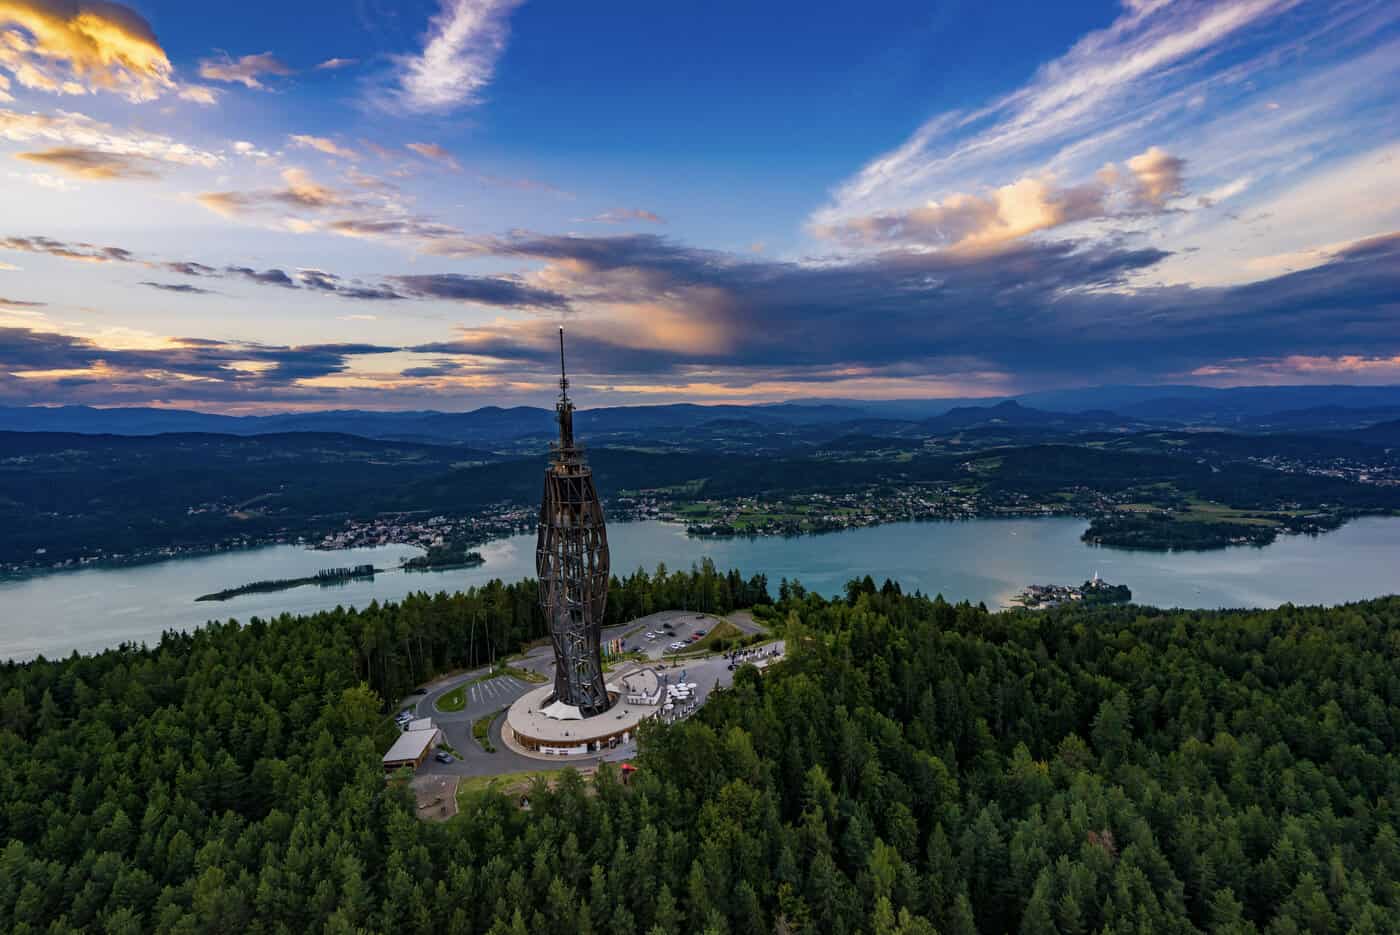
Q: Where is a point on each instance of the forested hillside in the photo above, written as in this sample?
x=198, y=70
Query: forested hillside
x=913, y=767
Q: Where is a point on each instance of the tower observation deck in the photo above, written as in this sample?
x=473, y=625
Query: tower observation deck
x=571, y=559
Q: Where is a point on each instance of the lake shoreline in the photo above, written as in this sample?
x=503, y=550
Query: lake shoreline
x=980, y=561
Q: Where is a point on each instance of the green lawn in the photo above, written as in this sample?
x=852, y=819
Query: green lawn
x=506, y=782
x=481, y=730
x=454, y=700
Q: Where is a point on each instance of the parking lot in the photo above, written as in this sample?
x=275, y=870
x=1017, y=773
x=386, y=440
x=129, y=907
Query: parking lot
x=671, y=631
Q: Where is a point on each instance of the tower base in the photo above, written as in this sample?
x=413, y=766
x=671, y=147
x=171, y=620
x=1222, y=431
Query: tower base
x=539, y=726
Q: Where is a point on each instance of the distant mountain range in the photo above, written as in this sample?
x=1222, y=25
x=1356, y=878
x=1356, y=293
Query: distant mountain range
x=1107, y=408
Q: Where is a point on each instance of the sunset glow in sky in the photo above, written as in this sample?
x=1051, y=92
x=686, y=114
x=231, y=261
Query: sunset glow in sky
x=262, y=207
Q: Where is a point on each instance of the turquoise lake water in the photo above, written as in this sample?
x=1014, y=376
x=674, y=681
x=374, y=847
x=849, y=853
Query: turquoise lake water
x=985, y=560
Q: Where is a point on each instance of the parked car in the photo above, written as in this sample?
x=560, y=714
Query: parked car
x=445, y=757
x=419, y=691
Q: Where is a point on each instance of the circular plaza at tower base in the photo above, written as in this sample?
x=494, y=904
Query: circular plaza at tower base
x=533, y=726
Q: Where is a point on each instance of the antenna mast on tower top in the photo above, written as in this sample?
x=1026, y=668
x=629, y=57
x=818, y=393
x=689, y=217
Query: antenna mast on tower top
x=563, y=377
x=564, y=411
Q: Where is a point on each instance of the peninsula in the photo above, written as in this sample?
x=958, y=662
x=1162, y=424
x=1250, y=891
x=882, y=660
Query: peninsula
x=325, y=577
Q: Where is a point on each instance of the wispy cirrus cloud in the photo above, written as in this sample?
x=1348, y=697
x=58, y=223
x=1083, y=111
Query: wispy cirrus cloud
x=324, y=145
x=336, y=64
x=249, y=70
x=460, y=50
x=436, y=153
x=1082, y=101
x=626, y=216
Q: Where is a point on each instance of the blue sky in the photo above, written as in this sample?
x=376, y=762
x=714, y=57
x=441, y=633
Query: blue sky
x=300, y=205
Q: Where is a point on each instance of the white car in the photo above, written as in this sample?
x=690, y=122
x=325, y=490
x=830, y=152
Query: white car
x=674, y=647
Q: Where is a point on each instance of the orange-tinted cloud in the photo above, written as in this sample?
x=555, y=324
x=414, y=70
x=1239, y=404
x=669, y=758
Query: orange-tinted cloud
x=1000, y=216
x=92, y=163
x=434, y=152
x=323, y=145
x=79, y=46
x=245, y=71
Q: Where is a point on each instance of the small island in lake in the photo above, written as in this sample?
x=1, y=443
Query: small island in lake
x=1093, y=591
x=439, y=557
x=327, y=576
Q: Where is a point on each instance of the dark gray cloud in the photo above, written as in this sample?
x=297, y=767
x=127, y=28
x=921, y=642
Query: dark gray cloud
x=68, y=251
x=24, y=349
x=504, y=291
x=1046, y=311
x=267, y=277
x=187, y=268
x=183, y=287
x=20, y=303
x=322, y=281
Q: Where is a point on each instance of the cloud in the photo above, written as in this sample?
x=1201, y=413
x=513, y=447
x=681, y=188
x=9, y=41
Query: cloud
x=335, y=64
x=301, y=192
x=46, y=180
x=84, y=252
x=245, y=71
x=653, y=317
x=20, y=303
x=1047, y=313
x=500, y=291
x=267, y=277
x=626, y=216
x=463, y=42
x=1139, y=75
x=321, y=144
x=198, y=93
x=66, y=129
x=307, y=278
x=188, y=268
x=226, y=369
x=1158, y=175
x=323, y=281
x=436, y=153
x=80, y=46
x=93, y=164
x=178, y=287
x=1027, y=206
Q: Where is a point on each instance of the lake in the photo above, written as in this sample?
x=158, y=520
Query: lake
x=985, y=560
